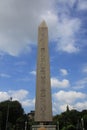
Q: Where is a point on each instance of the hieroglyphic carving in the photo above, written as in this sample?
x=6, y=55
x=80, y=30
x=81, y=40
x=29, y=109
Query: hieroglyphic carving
x=43, y=80
x=43, y=105
x=43, y=35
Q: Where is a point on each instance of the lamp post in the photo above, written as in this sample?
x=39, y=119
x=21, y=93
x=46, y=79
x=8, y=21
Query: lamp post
x=82, y=121
x=7, y=114
x=57, y=125
x=25, y=125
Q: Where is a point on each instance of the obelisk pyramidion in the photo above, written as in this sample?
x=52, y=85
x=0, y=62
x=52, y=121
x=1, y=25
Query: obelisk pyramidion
x=43, y=104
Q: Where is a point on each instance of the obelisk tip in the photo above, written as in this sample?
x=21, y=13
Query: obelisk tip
x=43, y=24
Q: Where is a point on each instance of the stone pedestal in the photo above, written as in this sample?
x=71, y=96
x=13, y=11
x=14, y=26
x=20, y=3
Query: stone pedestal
x=44, y=127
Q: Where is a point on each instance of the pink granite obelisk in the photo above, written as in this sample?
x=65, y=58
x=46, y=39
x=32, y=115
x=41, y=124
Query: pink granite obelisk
x=43, y=104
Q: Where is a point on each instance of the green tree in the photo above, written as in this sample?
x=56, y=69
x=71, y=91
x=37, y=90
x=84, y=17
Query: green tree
x=71, y=127
x=84, y=117
x=85, y=121
x=68, y=118
x=11, y=109
x=64, y=128
x=0, y=119
x=15, y=111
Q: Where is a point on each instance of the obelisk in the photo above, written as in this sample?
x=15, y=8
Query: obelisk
x=43, y=104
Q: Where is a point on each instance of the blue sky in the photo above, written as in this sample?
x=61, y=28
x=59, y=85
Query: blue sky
x=67, y=25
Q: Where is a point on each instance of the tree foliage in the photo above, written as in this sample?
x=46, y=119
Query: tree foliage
x=71, y=120
x=10, y=111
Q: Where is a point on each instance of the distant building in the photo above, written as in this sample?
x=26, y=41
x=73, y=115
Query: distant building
x=31, y=115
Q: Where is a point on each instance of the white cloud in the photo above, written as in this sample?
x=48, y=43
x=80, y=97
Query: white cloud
x=81, y=83
x=20, y=63
x=18, y=24
x=59, y=84
x=33, y=72
x=65, y=31
x=3, y=75
x=68, y=97
x=18, y=94
x=64, y=107
x=81, y=105
x=75, y=100
x=85, y=69
x=4, y=96
x=29, y=103
x=64, y=71
x=82, y=5
x=67, y=27
x=19, y=21
x=70, y=2
x=66, y=37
